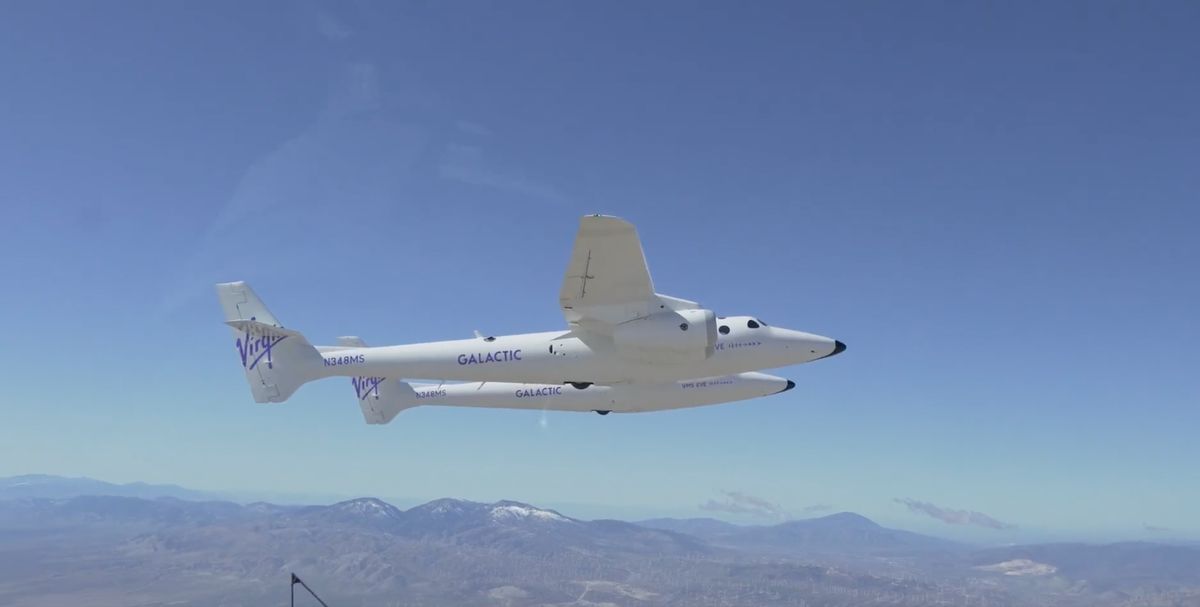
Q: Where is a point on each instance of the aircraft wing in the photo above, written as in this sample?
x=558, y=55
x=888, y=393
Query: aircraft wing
x=607, y=282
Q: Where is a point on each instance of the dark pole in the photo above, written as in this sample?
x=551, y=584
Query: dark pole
x=296, y=580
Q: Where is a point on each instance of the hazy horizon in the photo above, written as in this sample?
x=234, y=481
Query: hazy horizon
x=634, y=513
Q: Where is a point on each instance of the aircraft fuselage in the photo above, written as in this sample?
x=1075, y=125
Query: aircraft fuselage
x=555, y=357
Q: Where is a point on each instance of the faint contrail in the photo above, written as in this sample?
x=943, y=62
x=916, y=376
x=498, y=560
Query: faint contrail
x=736, y=502
x=953, y=517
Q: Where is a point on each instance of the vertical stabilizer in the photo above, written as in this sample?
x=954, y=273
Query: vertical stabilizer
x=240, y=302
x=276, y=360
x=380, y=398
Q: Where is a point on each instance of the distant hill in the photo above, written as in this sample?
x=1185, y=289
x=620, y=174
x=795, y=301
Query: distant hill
x=58, y=487
x=1108, y=567
x=504, y=525
x=844, y=533
x=699, y=527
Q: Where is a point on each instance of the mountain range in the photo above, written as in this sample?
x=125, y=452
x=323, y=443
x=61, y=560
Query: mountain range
x=50, y=486
x=121, y=550
x=843, y=533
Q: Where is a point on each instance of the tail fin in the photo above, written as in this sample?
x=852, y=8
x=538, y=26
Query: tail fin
x=380, y=398
x=277, y=361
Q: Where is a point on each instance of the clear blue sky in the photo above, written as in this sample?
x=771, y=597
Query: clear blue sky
x=995, y=205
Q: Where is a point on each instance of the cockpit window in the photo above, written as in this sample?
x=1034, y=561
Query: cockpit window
x=752, y=324
x=723, y=329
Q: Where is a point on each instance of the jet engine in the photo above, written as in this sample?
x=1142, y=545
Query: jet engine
x=679, y=336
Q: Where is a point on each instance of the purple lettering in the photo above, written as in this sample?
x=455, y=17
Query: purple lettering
x=253, y=348
x=366, y=386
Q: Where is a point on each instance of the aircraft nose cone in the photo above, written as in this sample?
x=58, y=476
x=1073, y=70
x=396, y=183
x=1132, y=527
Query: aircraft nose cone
x=838, y=348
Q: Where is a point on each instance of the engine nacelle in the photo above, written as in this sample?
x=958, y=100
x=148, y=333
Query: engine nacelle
x=680, y=336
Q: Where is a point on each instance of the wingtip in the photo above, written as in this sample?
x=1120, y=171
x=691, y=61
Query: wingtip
x=600, y=217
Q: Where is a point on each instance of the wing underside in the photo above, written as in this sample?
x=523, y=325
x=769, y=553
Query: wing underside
x=607, y=281
x=607, y=265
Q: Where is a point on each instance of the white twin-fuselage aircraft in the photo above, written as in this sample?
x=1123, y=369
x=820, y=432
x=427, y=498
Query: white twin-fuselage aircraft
x=626, y=348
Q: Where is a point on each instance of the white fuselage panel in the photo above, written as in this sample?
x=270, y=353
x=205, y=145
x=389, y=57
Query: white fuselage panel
x=565, y=356
x=620, y=398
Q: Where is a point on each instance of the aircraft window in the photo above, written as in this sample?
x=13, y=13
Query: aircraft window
x=683, y=326
x=750, y=323
x=724, y=330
